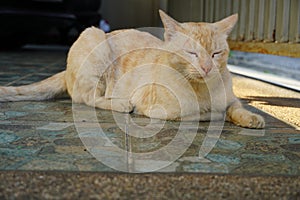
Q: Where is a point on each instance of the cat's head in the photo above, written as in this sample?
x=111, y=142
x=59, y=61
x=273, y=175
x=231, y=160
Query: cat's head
x=202, y=47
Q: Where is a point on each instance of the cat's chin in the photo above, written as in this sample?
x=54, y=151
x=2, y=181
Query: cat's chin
x=202, y=78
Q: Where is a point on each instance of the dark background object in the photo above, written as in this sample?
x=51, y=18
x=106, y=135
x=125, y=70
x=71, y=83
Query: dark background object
x=45, y=21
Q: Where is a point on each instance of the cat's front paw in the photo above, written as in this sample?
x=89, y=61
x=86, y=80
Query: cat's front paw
x=251, y=120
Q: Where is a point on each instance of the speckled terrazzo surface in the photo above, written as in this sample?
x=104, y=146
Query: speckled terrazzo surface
x=54, y=185
x=42, y=136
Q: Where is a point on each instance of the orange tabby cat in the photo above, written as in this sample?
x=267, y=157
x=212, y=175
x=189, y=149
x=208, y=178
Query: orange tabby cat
x=184, y=77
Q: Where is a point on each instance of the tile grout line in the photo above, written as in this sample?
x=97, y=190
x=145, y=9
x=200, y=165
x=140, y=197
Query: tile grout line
x=129, y=159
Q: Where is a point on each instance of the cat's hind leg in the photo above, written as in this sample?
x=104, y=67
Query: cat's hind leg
x=92, y=93
x=242, y=117
x=119, y=105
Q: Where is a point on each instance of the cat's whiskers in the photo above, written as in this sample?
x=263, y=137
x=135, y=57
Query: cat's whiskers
x=188, y=76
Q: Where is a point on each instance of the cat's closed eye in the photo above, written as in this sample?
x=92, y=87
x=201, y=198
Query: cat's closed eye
x=216, y=54
x=192, y=53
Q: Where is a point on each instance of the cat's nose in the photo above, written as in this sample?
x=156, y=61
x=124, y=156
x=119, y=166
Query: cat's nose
x=206, y=69
x=206, y=66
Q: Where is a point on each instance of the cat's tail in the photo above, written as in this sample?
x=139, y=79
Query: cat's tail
x=43, y=90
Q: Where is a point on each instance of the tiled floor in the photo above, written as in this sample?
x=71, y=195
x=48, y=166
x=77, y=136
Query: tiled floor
x=56, y=136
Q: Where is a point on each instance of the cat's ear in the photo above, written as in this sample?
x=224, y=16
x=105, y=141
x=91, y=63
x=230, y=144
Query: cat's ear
x=226, y=25
x=171, y=25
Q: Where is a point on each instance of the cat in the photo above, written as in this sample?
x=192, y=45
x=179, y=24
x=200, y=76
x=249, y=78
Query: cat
x=183, y=77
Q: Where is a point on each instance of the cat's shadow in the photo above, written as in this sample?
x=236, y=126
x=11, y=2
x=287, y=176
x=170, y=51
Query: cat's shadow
x=275, y=101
